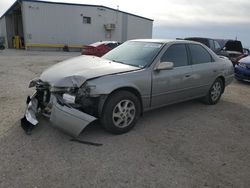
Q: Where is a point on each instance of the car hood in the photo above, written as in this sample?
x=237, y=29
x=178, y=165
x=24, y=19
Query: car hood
x=234, y=46
x=75, y=71
x=245, y=60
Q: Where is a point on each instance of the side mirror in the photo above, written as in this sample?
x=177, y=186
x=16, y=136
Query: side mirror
x=164, y=66
x=246, y=51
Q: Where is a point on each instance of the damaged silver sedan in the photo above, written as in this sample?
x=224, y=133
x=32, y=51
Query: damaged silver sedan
x=137, y=76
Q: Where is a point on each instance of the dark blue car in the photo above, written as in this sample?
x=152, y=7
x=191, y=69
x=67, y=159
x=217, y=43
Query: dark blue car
x=242, y=70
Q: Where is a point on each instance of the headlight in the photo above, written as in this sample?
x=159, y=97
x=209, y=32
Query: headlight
x=85, y=90
x=242, y=65
x=69, y=98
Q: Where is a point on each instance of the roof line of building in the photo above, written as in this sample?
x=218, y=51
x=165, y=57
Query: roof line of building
x=74, y=4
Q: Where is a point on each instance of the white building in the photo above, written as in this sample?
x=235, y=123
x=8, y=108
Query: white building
x=43, y=24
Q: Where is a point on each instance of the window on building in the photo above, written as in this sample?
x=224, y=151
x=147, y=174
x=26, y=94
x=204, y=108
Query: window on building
x=86, y=20
x=176, y=54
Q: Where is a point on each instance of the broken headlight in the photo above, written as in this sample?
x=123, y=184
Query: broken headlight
x=85, y=90
x=69, y=98
x=67, y=93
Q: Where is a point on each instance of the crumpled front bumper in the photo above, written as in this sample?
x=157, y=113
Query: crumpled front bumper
x=63, y=116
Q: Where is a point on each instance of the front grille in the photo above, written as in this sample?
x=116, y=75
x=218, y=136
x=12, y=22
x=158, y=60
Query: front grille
x=43, y=93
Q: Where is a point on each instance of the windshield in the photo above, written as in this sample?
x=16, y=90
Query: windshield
x=134, y=53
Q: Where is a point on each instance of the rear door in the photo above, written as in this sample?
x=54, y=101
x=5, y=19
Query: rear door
x=170, y=86
x=204, y=68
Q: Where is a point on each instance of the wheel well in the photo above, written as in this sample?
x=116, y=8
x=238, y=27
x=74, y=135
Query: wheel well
x=223, y=81
x=130, y=89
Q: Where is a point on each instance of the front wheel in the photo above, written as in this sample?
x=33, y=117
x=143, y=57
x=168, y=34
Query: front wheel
x=215, y=92
x=121, y=112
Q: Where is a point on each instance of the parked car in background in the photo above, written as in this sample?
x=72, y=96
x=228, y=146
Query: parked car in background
x=137, y=76
x=242, y=69
x=210, y=43
x=99, y=48
x=233, y=49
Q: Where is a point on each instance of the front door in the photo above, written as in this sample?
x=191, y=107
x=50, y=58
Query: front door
x=170, y=86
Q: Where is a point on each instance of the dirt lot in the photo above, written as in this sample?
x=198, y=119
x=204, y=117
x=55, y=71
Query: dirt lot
x=184, y=145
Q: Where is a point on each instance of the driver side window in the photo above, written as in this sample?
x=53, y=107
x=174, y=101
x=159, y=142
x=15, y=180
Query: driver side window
x=176, y=54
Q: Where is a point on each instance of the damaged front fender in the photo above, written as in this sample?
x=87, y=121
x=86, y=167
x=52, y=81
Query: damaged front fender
x=63, y=116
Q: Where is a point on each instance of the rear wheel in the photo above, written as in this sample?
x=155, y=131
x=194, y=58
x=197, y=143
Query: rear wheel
x=215, y=92
x=121, y=112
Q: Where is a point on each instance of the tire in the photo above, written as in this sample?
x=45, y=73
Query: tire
x=121, y=112
x=214, y=94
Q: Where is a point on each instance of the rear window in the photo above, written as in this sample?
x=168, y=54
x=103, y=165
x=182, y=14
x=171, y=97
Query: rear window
x=112, y=45
x=199, y=54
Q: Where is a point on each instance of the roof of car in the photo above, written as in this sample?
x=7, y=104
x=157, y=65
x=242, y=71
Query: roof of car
x=164, y=40
x=204, y=38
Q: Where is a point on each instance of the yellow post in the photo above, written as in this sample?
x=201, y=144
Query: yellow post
x=17, y=42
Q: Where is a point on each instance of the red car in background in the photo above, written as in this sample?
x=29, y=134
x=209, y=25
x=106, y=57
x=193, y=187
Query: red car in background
x=99, y=48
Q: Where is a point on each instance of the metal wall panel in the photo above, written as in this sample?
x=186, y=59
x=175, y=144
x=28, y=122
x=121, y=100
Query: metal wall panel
x=3, y=32
x=63, y=24
x=138, y=28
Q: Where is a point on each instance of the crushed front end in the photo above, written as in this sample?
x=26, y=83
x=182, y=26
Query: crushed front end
x=69, y=109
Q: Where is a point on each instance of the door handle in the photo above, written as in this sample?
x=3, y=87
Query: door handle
x=188, y=75
x=214, y=70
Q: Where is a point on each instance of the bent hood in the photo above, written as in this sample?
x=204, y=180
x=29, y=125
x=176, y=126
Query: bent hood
x=75, y=71
x=234, y=46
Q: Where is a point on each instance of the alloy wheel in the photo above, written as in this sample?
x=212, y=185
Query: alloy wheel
x=216, y=91
x=124, y=113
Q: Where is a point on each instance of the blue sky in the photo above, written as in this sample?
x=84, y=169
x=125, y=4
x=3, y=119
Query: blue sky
x=184, y=18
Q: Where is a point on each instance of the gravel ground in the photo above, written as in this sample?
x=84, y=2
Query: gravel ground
x=184, y=145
